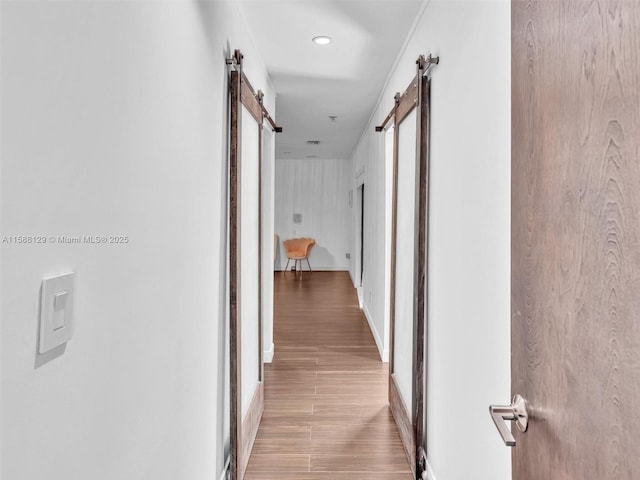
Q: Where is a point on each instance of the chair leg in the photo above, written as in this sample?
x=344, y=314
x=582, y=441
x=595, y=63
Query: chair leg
x=287, y=266
x=310, y=271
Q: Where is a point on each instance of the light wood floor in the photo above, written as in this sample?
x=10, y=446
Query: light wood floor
x=326, y=413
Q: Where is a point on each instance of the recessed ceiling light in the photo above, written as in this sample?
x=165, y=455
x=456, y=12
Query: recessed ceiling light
x=321, y=40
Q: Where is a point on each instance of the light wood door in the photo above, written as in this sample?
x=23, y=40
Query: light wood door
x=576, y=238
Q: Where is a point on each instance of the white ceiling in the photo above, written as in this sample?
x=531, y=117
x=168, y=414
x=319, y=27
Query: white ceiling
x=343, y=78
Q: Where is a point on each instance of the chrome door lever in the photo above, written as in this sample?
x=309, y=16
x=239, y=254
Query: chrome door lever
x=516, y=412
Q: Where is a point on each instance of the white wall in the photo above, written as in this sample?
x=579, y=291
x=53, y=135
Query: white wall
x=249, y=299
x=319, y=190
x=405, y=269
x=368, y=164
x=468, y=364
x=114, y=121
x=268, y=207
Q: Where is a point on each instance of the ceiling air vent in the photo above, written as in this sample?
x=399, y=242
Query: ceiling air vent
x=313, y=142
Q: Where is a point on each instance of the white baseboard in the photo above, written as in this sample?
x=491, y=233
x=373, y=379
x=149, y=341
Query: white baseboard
x=384, y=353
x=267, y=356
x=430, y=474
x=315, y=268
x=223, y=475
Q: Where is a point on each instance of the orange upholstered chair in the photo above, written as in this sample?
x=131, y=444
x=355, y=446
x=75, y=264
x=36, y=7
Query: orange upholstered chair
x=298, y=249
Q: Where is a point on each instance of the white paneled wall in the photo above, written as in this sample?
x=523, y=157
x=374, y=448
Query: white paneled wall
x=317, y=189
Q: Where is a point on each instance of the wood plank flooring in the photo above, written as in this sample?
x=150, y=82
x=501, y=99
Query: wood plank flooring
x=326, y=412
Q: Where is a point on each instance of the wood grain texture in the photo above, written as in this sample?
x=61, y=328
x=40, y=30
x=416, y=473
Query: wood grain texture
x=249, y=100
x=250, y=424
x=420, y=271
x=235, y=354
x=576, y=237
x=403, y=418
x=260, y=244
x=330, y=476
x=418, y=93
x=326, y=413
x=407, y=102
x=243, y=430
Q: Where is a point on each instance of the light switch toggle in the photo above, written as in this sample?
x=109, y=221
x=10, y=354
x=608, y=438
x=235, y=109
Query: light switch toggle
x=56, y=311
x=59, y=304
x=60, y=301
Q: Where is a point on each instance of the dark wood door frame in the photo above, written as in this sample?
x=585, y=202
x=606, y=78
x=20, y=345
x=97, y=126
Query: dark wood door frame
x=411, y=422
x=243, y=430
x=361, y=212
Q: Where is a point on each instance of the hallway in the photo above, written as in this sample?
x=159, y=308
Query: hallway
x=326, y=414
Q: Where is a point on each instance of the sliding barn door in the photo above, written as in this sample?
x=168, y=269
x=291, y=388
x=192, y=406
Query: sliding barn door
x=410, y=119
x=245, y=246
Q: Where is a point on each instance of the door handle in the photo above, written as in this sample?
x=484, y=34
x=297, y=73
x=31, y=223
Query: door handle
x=516, y=412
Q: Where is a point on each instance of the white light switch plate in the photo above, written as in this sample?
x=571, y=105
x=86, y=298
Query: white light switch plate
x=56, y=311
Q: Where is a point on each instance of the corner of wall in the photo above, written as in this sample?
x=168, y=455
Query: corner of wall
x=353, y=280
x=268, y=354
x=430, y=474
x=225, y=470
x=384, y=353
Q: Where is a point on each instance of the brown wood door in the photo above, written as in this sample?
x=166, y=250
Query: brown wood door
x=576, y=238
x=408, y=297
x=246, y=369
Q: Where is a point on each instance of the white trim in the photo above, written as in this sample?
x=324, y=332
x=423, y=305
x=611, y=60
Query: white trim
x=305, y=270
x=267, y=356
x=223, y=475
x=388, y=207
x=430, y=474
x=384, y=354
x=351, y=276
x=360, y=296
x=383, y=92
x=359, y=217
